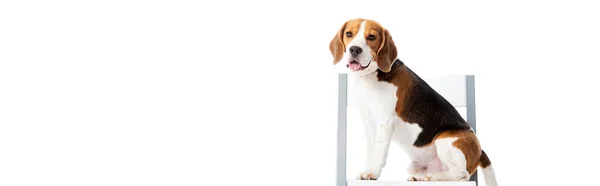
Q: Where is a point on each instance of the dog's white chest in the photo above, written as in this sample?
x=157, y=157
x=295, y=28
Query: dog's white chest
x=375, y=97
x=377, y=102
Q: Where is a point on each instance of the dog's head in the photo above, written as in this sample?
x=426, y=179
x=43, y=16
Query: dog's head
x=363, y=46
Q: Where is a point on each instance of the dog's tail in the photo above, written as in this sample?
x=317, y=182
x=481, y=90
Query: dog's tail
x=488, y=172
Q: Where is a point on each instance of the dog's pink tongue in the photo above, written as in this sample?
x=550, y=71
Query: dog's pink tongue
x=354, y=66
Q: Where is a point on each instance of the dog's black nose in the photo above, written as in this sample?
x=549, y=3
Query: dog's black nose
x=354, y=50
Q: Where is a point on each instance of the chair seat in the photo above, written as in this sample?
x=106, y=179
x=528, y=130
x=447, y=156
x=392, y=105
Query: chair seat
x=352, y=182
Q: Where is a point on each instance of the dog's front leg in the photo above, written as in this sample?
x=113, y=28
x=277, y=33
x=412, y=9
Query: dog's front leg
x=379, y=150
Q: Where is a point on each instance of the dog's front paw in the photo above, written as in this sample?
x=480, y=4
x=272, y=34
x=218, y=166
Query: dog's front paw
x=427, y=178
x=412, y=178
x=367, y=175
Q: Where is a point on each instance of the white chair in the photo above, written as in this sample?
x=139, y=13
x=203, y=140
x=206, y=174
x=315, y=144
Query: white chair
x=459, y=90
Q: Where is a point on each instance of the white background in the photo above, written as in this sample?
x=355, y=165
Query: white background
x=244, y=92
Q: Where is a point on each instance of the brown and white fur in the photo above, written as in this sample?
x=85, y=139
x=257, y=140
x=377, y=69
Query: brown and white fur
x=396, y=105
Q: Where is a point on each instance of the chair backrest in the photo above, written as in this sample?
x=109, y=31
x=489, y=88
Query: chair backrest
x=459, y=90
x=452, y=87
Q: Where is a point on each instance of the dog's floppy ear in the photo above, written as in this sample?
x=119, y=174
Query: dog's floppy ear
x=387, y=53
x=336, y=47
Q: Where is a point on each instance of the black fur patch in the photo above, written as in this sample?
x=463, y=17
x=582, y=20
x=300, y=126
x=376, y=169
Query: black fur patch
x=424, y=106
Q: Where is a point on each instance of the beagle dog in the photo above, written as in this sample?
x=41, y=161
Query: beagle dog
x=395, y=104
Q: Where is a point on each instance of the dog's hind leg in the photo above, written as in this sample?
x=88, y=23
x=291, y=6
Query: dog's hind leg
x=459, y=153
x=416, y=171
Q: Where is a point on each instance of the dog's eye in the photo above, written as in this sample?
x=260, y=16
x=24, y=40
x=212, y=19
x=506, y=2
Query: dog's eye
x=349, y=34
x=371, y=37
